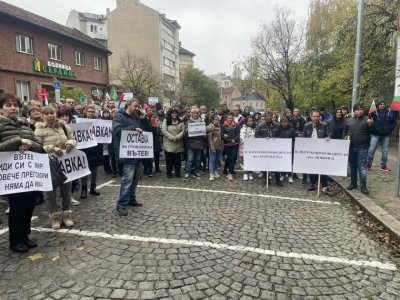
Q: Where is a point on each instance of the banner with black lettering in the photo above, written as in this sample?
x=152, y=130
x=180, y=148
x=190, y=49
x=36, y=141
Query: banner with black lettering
x=136, y=145
x=102, y=131
x=318, y=156
x=84, y=134
x=262, y=154
x=196, y=129
x=74, y=164
x=24, y=172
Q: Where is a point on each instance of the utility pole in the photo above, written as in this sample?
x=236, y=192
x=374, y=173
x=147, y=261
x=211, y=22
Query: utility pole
x=396, y=96
x=357, y=61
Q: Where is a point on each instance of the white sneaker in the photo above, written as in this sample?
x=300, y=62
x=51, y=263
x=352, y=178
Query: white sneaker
x=216, y=175
x=261, y=175
x=230, y=177
x=74, y=202
x=212, y=177
x=7, y=210
x=281, y=178
x=290, y=179
x=245, y=177
x=251, y=176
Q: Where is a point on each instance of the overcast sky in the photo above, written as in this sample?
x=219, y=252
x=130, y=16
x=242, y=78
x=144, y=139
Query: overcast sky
x=217, y=31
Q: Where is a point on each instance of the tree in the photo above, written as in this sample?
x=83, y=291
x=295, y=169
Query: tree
x=277, y=49
x=176, y=92
x=74, y=93
x=204, y=90
x=137, y=75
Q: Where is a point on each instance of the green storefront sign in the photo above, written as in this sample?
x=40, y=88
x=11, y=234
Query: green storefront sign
x=37, y=67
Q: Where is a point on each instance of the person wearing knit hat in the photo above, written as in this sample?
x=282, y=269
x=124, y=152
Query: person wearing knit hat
x=384, y=124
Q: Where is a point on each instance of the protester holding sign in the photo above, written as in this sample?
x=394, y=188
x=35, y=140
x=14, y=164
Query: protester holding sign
x=95, y=157
x=287, y=132
x=194, y=144
x=56, y=137
x=16, y=135
x=127, y=119
x=247, y=131
x=357, y=130
x=316, y=130
x=173, y=130
x=231, y=137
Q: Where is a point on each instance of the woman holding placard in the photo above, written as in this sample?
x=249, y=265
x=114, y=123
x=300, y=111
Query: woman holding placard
x=16, y=135
x=56, y=137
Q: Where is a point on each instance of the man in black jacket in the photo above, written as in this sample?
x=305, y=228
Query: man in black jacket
x=357, y=130
x=269, y=129
x=316, y=130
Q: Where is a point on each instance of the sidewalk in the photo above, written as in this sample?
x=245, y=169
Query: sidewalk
x=381, y=203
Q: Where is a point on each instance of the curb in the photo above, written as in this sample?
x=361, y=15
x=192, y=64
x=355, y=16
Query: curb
x=375, y=211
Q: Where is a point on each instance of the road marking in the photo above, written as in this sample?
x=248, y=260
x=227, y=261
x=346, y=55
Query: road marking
x=231, y=193
x=305, y=256
x=106, y=184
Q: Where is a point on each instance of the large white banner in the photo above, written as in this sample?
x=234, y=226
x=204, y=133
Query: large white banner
x=24, y=172
x=318, y=156
x=136, y=145
x=262, y=154
x=196, y=129
x=102, y=131
x=84, y=134
x=74, y=164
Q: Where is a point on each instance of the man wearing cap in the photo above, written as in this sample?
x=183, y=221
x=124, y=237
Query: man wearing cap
x=357, y=130
x=384, y=124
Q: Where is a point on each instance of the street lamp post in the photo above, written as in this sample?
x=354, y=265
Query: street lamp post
x=357, y=61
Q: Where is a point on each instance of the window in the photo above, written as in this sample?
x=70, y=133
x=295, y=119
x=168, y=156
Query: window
x=79, y=58
x=54, y=52
x=24, y=44
x=93, y=28
x=168, y=46
x=169, y=63
x=97, y=63
x=23, y=89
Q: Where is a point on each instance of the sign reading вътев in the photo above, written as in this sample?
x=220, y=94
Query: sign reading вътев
x=74, y=164
x=24, y=172
x=84, y=134
x=318, y=156
x=196, y=129
x=136, y=145
x=262, y=154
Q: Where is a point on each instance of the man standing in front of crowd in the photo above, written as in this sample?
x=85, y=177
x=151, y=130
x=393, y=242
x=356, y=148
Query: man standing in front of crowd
x=357, y=130
x=316, y=130
x=128, y=119
x=384, y=124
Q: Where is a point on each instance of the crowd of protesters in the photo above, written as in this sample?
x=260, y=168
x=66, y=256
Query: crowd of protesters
x=26, y=125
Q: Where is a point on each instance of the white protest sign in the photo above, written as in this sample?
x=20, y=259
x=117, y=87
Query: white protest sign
x=136, y=145
x=24, y=172
x=102, y=131
x=74, y=164
x=196, y=129
x=153, y=100
x=317, y=156
x=84, y=120
x=84, y=135
x=262, y=154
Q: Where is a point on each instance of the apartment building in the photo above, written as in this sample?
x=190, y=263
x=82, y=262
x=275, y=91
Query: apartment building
x=185, y=59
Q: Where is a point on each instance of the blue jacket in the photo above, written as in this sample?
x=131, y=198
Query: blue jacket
x=123, y=121
x=384, y=123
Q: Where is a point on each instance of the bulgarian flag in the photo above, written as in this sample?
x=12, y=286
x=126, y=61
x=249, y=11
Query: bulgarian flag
x=395, y=106
x=372, y=108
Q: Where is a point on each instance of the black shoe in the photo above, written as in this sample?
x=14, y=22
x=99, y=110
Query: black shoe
x=30, y=243
x=178, y=175
x=93, y=190
x=158, y=171
x=84, y=192
x=121, y=212
x=311, y=187
x=113, y=175
x=364, y=190
x=279, y=183
x=20, y=248
x=135, y=204
x=295, y=176
x=351, y=187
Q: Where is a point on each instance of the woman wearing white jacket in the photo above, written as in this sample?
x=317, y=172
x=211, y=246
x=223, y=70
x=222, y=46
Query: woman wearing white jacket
x=247, y=131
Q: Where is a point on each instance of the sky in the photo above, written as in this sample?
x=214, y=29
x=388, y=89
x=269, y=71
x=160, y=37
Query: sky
x=217, y=31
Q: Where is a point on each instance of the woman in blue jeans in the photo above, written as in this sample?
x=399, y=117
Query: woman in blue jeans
x=215, y=144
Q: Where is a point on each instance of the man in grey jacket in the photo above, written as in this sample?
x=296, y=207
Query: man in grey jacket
x=127, y=119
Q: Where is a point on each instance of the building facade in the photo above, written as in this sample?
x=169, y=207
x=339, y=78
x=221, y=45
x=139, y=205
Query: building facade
x=222, y=79
x=37, y=52
x=253, y=99
x=185, y=59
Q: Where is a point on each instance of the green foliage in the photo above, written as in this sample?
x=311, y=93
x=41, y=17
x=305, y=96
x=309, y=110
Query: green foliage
x=205, y=91
x=75, y=93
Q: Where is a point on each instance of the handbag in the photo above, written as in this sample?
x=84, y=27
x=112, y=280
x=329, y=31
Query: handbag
x=57, y=175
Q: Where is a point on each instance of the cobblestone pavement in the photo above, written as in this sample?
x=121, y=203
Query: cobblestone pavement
x=202, y=240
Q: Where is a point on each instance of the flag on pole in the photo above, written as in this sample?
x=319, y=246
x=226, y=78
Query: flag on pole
x=108, y=98
x=114, y=94
x=372, y=108
x=395, y=106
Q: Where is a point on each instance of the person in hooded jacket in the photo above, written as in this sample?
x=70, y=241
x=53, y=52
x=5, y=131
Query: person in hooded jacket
x=231, y=137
